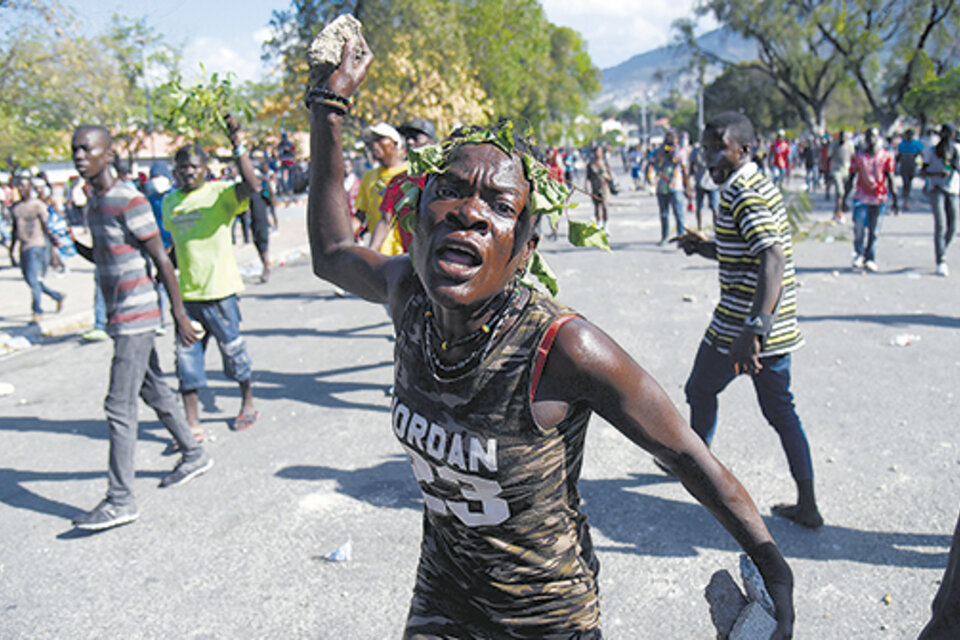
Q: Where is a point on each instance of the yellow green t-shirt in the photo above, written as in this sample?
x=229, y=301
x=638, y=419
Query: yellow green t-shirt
x=199, y=222
x=372, y=186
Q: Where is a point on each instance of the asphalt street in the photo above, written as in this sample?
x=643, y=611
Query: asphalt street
x=240, y=552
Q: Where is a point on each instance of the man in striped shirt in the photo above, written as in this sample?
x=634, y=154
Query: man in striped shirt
x=754, y=327
x=125, y=235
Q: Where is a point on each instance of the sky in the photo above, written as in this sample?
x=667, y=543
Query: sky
x=227, y=36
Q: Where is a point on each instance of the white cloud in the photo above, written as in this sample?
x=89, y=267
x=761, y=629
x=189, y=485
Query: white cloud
x=262, y=35
x=616, y=30
x=221, y=56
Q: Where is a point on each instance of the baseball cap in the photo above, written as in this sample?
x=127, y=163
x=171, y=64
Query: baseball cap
x=160, y=168
x=419, y=125
x=383, y=130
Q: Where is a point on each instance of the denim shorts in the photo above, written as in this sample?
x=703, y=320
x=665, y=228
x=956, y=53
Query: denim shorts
x=220, y=319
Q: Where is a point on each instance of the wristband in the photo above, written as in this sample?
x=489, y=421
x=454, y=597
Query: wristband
x=760, y=324
x=239, y=150
x=334, y=106
x=322, y=95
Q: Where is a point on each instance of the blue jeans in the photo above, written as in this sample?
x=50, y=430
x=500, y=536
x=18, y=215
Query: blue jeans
x=712, y=196
x=945, y=207
x=135, y=371
x=866, y=224
x=99, y=304
x=713, y=371
x=665, y=201
x=220, y=319
x=33, y=264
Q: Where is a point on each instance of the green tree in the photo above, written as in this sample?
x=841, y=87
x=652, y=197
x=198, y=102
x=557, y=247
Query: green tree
x=53, y=77
x=937, y=99
x=137, y=49
x=753, y=93
x=447, y=60
x=797, y=57
x=810, y=48
x=884, y=45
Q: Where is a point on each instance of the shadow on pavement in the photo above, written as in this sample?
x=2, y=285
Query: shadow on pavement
x=654, y=526
x=649, y=525
x=14, y=493
x=96, y=429
x=389, y=484
x=313, y=332
x=318, y=389
x=898, y=319
x=303, y=296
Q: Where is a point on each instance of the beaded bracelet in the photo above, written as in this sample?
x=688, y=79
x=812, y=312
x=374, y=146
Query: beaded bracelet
x=326, y=96
x=336, y=107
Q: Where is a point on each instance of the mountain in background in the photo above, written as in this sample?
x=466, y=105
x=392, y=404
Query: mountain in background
x=661, y=70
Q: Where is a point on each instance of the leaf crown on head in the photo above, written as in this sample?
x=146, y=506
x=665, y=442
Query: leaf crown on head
x=548, y=196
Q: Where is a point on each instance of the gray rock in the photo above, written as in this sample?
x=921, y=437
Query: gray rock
x=753, y=624
x=726, y=601
x=326, y=49
x=753, y=583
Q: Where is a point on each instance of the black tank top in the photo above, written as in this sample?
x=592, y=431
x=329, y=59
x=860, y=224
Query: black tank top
x=505, y=545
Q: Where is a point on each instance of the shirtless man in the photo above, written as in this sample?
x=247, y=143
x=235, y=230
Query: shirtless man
x=31, y=231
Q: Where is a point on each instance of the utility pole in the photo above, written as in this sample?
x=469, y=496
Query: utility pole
x=643, y=118
x=701, y=71
x=146, y=90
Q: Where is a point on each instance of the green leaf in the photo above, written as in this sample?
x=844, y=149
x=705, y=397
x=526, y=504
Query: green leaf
x=539, y=269
x=583, y=234
x=407, y=207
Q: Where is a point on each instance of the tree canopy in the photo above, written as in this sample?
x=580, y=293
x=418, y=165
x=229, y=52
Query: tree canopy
x=813, y=48
x=450, y=61
x=54, y=77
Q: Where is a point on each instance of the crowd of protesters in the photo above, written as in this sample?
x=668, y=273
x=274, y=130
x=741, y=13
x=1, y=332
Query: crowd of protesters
x=166, y=238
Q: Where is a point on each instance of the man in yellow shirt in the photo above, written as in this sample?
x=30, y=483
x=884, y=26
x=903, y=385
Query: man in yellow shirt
x=387, y=149
x=198, y=215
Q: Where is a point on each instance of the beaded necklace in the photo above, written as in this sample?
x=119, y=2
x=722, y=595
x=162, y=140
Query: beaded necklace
x=485, y=337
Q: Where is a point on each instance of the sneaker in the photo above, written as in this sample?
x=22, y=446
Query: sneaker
x=106, y=515
x=160, y=331
x=943, y=269
x=871, y=266
x=94, y=335
x=185, y=471
x=858, y=262
x=63, y=297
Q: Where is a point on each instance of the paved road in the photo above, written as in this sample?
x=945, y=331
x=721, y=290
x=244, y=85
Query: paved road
x=238, y=553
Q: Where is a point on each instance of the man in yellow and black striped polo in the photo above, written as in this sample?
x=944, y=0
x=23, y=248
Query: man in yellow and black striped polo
x=754, y=327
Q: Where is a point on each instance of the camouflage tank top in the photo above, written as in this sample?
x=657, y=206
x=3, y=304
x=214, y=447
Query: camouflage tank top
x=506, y=552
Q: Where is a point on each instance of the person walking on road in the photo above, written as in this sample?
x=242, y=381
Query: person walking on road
x=754, y=327
x=31, y=229
x=198, y=214
x=125, y=234
x=841, y=154
x=673, y=181
x=873, y=168
x=599, y=179
x=494, y=386
x=941, y=168
x=908, y=151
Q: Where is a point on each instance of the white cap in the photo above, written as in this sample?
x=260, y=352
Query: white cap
x=384, y=130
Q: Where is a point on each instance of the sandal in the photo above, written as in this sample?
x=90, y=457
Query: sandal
x=245, y=420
